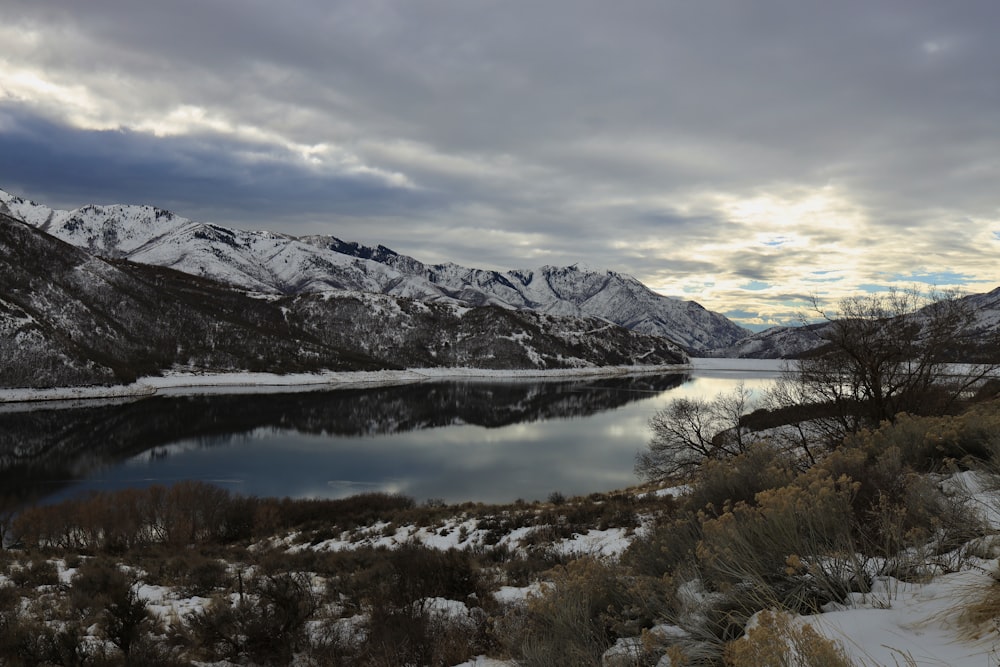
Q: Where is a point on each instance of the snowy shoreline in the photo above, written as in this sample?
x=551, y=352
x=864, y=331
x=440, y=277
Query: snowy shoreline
x=186, y=383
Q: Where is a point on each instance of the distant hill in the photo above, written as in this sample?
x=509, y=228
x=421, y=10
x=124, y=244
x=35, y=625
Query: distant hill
x=794, y=342
x=279, y=264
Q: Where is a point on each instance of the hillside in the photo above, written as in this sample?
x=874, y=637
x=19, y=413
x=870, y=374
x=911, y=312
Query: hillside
x=279, y=264
x=975, y=343
x=70, y=318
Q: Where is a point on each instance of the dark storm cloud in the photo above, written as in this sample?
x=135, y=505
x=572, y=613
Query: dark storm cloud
x=57, y=163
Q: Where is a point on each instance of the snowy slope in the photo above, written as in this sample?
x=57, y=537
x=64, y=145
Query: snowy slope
x=280, y=264
x=69, y=318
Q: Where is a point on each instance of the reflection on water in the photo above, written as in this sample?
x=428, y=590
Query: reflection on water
x=451, y=440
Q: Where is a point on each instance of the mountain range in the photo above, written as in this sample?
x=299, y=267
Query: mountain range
x=278, y=264
x=105, y=293
x=68, y=317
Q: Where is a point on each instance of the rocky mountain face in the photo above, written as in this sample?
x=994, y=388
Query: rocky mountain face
x=68, y=317
x=278, y=264
x=775, y=343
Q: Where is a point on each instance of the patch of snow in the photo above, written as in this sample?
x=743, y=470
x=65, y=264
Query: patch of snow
x=913, y=624
x=166, y=604
x=517, y=594
x=604, y=543
x=186, y=383
x=673, y=491
x=483, y=661
x=978, y=492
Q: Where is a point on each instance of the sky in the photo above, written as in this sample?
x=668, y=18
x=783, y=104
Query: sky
x=747, y=154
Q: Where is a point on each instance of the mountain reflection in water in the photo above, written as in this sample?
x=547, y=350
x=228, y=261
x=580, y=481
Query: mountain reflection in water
x=452, y=440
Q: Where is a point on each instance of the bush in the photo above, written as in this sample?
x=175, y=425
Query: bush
x=266, y=626
x=125, y=619
x=37, y=572
x=416, y=636
x=894, y=508
x=925, y=443
x=981, y=613
x=668, y=547
x=739, y=479
x=794, y=548
x=101, y=589
x=775, y=640
x=345, y=513
x=192, y=573
x=411, y=573
x=96, y=582
x=572, y=622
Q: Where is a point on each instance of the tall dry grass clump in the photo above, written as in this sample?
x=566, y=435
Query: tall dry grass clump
x=572, y=622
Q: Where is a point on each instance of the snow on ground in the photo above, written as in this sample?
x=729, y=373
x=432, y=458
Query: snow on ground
x=672, y=491
x=604, y=543
x=913, y=624
x=515, y=594
x=895, y=624
x=465, y=534
x=483, y=661
x=165, y=603
x=182, y=383
x=979, y=492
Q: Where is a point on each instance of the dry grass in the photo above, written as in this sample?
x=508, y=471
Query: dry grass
x=777, y=640
x=980, y=616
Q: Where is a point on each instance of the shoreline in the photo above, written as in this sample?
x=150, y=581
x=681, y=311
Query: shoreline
x=186, y=383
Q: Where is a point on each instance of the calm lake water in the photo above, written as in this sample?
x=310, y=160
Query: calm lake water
x=455, y=441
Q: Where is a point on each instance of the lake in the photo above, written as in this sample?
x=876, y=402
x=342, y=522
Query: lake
x=488, y=441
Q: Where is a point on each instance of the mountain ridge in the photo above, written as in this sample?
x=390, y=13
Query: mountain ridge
x=70, y=318
x=275, y=263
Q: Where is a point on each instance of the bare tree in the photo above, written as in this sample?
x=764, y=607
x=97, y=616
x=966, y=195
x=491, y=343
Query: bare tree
x=883, y=354
x=690, y=431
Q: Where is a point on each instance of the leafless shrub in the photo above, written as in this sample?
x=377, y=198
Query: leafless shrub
x=689, y=432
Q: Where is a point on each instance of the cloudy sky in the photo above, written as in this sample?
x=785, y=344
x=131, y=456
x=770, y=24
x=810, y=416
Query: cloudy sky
x=746, y=154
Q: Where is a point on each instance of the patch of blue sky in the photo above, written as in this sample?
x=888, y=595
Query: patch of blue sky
x=936, y=278
x=697, y=289
x=755, y=285
x=777, y=241
x=738, y=314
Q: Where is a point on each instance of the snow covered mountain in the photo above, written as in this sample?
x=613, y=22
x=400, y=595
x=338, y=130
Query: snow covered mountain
x=68, y=318
x=280, y=264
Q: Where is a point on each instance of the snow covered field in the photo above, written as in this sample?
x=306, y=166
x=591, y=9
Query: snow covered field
x=895, y=624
